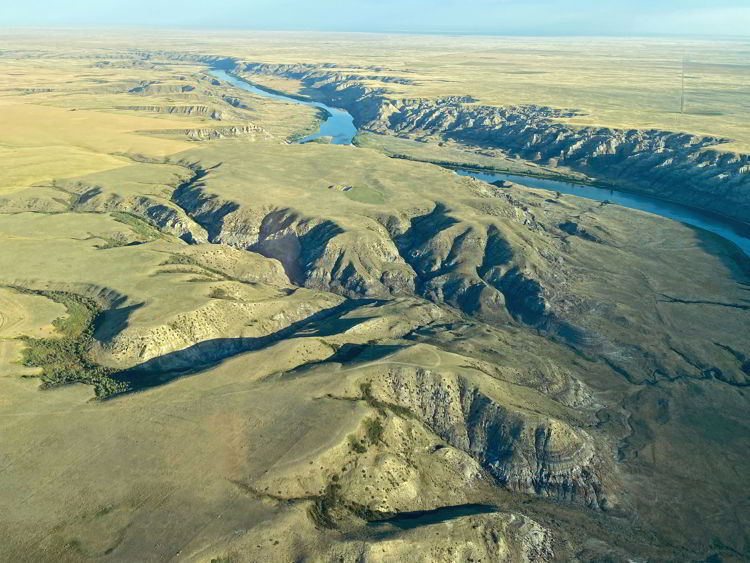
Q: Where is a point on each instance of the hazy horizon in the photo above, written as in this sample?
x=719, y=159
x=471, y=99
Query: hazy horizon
x=720, y=19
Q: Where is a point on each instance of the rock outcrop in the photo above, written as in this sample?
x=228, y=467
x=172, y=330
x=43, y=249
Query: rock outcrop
x=523, y=452
x=193, y=111
x=676, y=166
x=250, y=132
x=436, y=255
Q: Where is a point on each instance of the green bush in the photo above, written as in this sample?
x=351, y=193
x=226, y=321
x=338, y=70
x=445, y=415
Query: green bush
x=356, y=446
x=382, y=406
x=374, y=430
x=139, y=226
x=185, y=260
x=64, y=359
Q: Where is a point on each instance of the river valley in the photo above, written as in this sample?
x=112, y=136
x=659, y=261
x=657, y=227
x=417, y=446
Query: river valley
x=359, y=322
x=339, y=126
x=338, y=123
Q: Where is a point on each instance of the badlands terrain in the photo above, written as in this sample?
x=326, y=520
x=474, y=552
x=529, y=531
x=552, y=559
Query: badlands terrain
x=220, y=345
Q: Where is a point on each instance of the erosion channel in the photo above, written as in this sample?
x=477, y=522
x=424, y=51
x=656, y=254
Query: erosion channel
x=339, y=125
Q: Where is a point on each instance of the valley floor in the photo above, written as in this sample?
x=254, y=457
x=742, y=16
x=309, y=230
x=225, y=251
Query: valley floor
x=217, y=345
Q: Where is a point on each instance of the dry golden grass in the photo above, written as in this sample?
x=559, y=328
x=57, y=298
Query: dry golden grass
x=23, y=315
x=168, y=473
x=625, y=83
x=66, y=117
x=29, y=165
x=41, y=143
x=628, y=83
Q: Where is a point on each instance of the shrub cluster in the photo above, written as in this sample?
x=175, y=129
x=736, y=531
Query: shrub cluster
x=64, y=359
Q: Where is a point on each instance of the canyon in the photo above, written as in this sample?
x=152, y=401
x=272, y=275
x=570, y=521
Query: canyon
x=222, y=344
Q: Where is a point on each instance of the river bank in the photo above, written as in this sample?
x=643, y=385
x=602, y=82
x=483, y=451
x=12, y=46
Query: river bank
x=339, y=126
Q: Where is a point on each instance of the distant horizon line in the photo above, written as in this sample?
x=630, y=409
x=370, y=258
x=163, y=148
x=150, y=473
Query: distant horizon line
x=86, y=27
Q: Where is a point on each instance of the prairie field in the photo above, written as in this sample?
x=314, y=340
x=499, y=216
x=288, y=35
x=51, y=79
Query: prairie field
x=220, y=345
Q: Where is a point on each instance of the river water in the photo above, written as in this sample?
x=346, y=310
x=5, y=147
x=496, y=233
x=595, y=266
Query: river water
x=339, y=125
x=736, y=232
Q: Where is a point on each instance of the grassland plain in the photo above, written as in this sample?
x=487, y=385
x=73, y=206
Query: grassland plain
x=301, y=341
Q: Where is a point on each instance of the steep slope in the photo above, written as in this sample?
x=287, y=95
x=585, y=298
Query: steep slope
x=675, y=166
x=316, y=352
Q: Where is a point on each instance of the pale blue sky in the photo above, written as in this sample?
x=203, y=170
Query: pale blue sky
x=526, y=17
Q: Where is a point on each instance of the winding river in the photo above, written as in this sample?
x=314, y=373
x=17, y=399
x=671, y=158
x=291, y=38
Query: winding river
x=339, y=125
x=734, y=231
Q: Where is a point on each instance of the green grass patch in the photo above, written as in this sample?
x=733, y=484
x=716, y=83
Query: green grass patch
x=115, y=241
x=139, y=226
x=64, y=359
x=185, y=260
x=362, y=194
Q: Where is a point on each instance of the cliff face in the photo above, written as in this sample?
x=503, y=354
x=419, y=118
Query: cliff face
x=328, y=72
x=676, y=166
x=352, y=357
x=523, y=453
x=194, y=110
x=438, y=254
